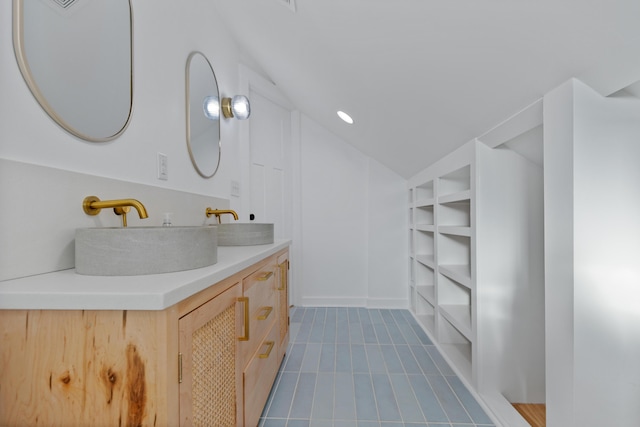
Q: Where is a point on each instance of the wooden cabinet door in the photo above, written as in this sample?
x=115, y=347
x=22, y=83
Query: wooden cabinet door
x=211, y=375
x=283, y=303
x=84, y=368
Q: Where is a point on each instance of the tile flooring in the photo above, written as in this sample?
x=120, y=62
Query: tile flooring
x=357, y=367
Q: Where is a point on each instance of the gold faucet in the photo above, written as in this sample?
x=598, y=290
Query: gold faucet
x=92, y=206
x=218, y=212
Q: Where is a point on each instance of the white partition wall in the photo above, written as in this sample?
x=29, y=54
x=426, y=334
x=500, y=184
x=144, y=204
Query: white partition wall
x=510, y=277
x=592, y=200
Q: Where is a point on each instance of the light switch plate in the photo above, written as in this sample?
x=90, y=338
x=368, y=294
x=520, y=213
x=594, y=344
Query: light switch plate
x=163, y=167
x=235, y=188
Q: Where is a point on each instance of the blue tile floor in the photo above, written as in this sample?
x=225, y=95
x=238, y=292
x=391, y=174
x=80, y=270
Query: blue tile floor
x=357, y=367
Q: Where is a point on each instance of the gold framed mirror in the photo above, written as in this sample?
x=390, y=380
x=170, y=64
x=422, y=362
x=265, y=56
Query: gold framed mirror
x=76, y=58
x=203, y=115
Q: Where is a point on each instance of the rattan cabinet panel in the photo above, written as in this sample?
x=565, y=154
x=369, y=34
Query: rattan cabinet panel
x=210, y=374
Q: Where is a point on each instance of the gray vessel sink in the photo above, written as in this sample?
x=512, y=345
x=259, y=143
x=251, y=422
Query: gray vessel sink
x=244, y=234
x=144, y=250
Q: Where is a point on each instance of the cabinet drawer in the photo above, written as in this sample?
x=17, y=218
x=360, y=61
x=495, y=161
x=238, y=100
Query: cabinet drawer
x=260, y=290
x=259, y=376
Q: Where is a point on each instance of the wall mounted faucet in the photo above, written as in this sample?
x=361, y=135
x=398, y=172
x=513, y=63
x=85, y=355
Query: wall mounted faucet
x=93, y=205
x=218, y=212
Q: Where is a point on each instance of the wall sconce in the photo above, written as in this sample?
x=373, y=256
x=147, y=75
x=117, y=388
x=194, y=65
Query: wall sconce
x=237, y=107
x=211, y=107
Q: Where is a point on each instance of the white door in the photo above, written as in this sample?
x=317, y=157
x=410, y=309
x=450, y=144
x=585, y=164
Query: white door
x=270, y=194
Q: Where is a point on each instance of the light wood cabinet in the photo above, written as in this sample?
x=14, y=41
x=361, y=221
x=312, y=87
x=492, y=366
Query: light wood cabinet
x=185, y=365
x=80, y=368
x=283, y=303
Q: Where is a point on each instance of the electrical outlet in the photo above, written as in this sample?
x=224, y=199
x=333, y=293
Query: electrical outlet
x=235, y=188
x=163, y=167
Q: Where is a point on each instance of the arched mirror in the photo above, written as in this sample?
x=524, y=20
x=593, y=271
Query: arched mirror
x=203, y=115
x=75, y=56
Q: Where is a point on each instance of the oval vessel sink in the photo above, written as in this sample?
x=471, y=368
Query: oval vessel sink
x=144, y=250
x=244, y=234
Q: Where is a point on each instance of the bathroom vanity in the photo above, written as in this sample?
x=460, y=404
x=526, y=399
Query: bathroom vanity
x=198, y=347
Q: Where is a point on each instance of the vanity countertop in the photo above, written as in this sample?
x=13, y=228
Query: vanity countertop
x=66, y=290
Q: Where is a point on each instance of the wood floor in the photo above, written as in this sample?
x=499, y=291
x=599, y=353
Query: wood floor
x=535, y=414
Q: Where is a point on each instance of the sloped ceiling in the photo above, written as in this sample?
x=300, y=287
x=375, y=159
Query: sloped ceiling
x=422, y=77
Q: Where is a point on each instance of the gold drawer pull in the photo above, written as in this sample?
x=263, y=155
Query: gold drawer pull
x=283, y=276
x=268, y=352
x=267, y=312
x=265, y=276
x=245, y=300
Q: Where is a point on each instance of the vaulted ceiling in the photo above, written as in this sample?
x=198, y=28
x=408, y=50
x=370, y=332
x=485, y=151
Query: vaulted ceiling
x=422, y=77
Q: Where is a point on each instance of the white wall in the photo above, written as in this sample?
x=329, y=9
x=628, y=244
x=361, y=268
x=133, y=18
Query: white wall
x=349, y=258
x=387, y=238
x=39, y=226
x=606, y=251
x=164, y=33
x=593, y=274
x=42, y=207
x=353, y=220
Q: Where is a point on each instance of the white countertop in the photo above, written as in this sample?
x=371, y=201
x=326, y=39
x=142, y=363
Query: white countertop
x=66, y=290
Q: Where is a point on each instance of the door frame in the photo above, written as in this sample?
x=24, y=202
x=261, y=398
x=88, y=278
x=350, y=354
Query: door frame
x=250, y=81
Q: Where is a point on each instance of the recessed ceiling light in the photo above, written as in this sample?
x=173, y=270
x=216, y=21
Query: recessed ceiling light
x=344, y=116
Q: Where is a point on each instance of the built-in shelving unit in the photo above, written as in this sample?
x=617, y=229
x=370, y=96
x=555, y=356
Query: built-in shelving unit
x=456, y=325
x=424, y=262
x=441, y=287
x=471, y=259
x=412, y=275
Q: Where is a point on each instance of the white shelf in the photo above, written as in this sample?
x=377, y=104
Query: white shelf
x=454, y=249
x=460, y=273
x=427, y=292
x=427, y=260
x=424, y=192
x=456, y=213
x=427, y=320
x=425, y=203
x=425, y=312
x=460, y=357
x=460, y=196
x=455, y=230
x=459, y=316
x=423, y=242
x=426, y=227
x=424, y=215
x=455, y=182
x=457, y=347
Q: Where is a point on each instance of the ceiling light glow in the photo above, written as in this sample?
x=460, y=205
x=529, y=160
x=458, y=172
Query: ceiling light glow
x=344, y=116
